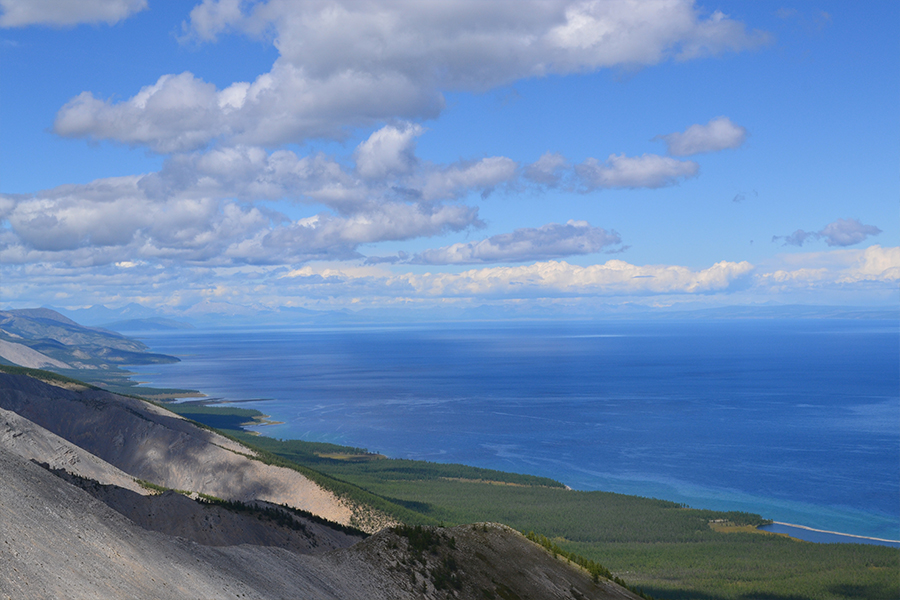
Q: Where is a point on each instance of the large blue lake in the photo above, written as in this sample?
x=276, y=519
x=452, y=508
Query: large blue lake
x=796, y=420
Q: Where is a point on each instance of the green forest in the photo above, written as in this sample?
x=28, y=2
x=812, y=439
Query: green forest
x=661, y=548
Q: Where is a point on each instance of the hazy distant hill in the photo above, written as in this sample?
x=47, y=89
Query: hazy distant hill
x=152, y=324
x=71, y=345
x=98, y=315
x=134, y=317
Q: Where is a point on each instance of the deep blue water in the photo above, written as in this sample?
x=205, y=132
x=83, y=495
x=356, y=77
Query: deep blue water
x=796, y=420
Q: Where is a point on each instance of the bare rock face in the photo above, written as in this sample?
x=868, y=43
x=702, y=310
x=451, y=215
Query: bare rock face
x=152, y=444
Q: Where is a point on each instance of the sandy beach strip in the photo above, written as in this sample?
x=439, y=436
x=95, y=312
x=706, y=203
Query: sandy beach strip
x=849, y=535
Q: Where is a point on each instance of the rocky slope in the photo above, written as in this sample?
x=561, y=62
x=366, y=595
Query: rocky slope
x=64, y=534
x=58, y=541
x=33, y=442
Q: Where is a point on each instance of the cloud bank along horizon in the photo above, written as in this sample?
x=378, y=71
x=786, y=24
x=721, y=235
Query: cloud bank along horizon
x=395, y=153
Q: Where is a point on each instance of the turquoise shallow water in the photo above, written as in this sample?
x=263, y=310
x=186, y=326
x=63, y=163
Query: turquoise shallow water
x=796, y=420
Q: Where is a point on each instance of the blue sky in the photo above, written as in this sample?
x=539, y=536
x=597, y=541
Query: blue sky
x=234, y=156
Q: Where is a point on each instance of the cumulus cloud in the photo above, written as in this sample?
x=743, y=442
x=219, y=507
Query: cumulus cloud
x=847, y=232
x=550, y=279
x=877, y=263
x=873, y=272
x=843, y=232
x=612, y=278
x=478, y=45
x=719, y=134
x=174, y=114
x=348, y=64
x=798, y=238
x=385, y=167
x=210, y=208
x=875, y=269
x=550, y=241
x=645, y=171
x=388, y=151
x=116, y=220
x=65, y=13
x=181, y=112
x=454, y=180
x=837, y=269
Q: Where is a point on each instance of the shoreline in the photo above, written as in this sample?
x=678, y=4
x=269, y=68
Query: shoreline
x=828, y=532
x=263, y=420
x=877, y=541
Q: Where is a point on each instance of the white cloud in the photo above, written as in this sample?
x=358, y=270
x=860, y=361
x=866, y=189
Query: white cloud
x=192, y=289
x=385, y=167
x=550, y=241
x=177, y=113
x=719, y=134
x=875, y=265
x=843, y=232
x=63, y=13
x=548, y=170
x=351, y=64
x=550, y=279
x=388, y=151
x=455, y=180
x=846, y=232
x=612, y=278
x=645, y=171
x=477, y=45
x=328, y=237
x=116, y=220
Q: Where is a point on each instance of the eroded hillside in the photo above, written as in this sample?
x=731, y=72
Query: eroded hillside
x=67, y=536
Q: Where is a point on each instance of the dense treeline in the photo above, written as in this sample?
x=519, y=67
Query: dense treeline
x=739, y=566
x=594, y=568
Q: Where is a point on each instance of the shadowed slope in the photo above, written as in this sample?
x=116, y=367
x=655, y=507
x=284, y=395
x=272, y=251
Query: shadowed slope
x=152, y=444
